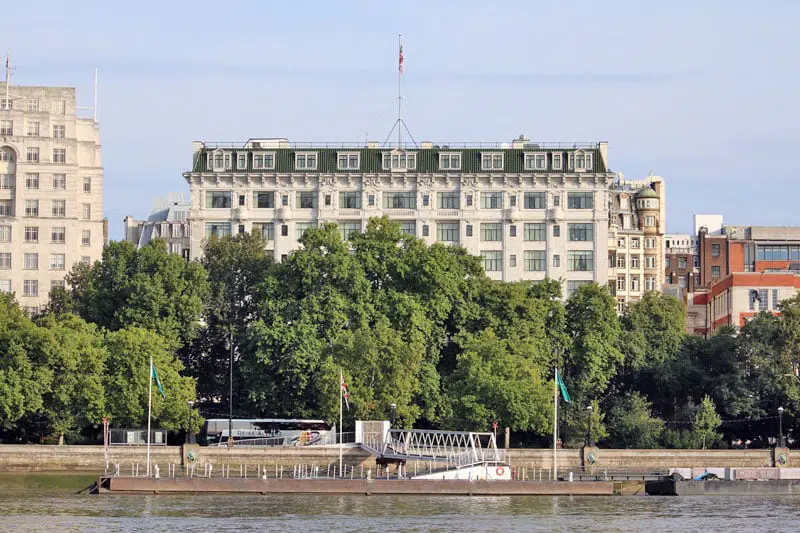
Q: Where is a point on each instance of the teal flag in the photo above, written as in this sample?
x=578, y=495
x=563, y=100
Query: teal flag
x=564, y=393
x=154, y=375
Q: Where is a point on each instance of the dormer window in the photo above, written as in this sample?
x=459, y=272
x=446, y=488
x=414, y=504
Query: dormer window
x=241, y=160
x=580, y=161
x=535, y=161
x=263, y=160
x=556, y=159
x=305, y=161
x=348, y=161
x=219, y=160
x=449, y=161
x=491, y=161
x=399, y=161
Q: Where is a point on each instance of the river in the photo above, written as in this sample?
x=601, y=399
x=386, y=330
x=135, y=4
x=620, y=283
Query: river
x=50, y=503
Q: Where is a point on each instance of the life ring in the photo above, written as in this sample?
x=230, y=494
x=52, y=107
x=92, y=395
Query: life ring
x=499, y=470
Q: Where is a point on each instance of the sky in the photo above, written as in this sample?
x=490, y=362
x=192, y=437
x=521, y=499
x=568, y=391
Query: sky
x=704, y=94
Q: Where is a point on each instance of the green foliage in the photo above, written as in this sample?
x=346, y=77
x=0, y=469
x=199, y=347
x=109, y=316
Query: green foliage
x=706, y=422
x=631, y=423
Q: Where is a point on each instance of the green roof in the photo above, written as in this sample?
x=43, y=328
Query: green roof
x=647, y=192
x=427, y=159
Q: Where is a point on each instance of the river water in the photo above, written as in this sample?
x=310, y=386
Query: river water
x=55, y=507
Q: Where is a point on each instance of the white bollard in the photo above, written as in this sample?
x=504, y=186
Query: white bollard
x=570, y=477
x=156, y=471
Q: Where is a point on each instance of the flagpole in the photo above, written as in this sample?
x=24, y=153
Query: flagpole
x=399, y=94
x=341, y=396
x=149, y=409
x=555, y=426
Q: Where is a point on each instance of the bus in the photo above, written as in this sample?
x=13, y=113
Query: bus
x=269, y=432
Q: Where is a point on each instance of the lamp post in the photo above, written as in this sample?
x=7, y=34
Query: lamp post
x=189, y=430
x=230, y=395
x=781, y=439
x=393, y=407
x=589, y=436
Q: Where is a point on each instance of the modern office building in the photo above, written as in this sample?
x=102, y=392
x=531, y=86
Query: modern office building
x=51, y=191
x=531, y=210
x=167, y=221
x=637, y=218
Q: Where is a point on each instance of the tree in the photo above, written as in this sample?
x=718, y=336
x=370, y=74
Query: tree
x=126, y=380
x=631, y=423
x=706, y=422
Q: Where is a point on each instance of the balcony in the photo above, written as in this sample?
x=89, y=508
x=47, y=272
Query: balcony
x=394, y=213
x=511, y=214
x=555, y=213
x=349, y=213
x=448, y=213
x=240, y=213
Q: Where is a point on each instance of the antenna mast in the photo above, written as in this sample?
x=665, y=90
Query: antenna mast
x=8, y=78
x=94, y=95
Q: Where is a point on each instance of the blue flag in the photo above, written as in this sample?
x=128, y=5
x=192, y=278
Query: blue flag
x=154, y=375
x=564, y=393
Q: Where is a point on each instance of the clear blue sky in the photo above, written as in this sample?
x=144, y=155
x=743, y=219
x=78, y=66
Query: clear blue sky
x=704, y=93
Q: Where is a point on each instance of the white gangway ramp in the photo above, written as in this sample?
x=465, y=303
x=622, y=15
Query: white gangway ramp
x=457, y=449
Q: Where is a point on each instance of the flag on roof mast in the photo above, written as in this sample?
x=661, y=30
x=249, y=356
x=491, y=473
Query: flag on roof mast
x=563, y=387
x=400, y=64
x=345, y=394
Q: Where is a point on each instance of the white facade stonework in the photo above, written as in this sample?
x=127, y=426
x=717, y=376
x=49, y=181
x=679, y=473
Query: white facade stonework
x=51, y=191
x=168, y=221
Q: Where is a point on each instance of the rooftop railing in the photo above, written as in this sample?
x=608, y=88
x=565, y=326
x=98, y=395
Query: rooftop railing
x=272, y=144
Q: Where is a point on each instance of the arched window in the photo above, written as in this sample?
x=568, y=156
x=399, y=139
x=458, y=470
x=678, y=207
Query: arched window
x=7, y=155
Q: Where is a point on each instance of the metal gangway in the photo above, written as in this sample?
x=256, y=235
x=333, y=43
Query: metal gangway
x=456, y=449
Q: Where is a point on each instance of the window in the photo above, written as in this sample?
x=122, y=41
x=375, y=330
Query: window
x=426, y=200
x=6, y=127
x=58, y=235
x=580, y=232
x=621, y=282
x=468, y=200
x=491, y=232
x=534, y=231
x=512, y=260
x=449, y=161
x=580, y=260
x=33, y=105
x=284, y=230
x=774, y=299
x=535, y=161
x=399, y=200
x=350, y=200
x=512, y=230
x=5, y=285
x=30, y=287
x=177, y=231
x=409, y=227
x=32, y=129
x=425, y=230
x=635, y=285
x=32, y=181
x=580, y=200
x=715, y=272
x=468, y=230
x=492, y=260
x=242, y=200
x=5, y=233
x=763, y=299
x=696, y=262
x=491, y=161
x=59, y=209
x=715, y=250
x=667, y=262
x=535, y=200
x=241, y=160
x=491, y=200
x=31, y=261
x=348, y=161
x=284, y=200
x=57, y=262
x=87, y=185
x=371, y=200
x=556, y=200
x=264, y=200
x=582, y=160
x=59, y=182
x=86, y=260
x=6, y=181
x=263, y=161
x=57, y=284
x=447, y=231
x=634, y=262
x=6, y=208
x=218, y=199
x=621, y=242
x=399, y=161
x=556, y=159
x=86, y=237
x=620, y=260
x=175, y=248
x=649, y=283
x=649, y=221
x=5, y=260
x=556, y=230
x=683, y=281
x=556, y=261
x=59, y=131
x=649, y=243
x=635, y=243
x=218, y=229
x=650, y=262
x=681, y=263
x=534, y=260
x=86, y=211
x=574, y=285
x=31, y=208
x=300, y=229
x=447, y=200
x=348, y=229
x=6, y=103
x=59, y=155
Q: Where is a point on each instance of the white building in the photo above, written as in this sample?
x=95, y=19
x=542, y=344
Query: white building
x=168, y=221
x=51, y=191
x=531, y=210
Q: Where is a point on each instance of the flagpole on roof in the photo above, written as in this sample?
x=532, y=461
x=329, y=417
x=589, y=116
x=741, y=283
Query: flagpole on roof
x=149, y=409
x=399, y=94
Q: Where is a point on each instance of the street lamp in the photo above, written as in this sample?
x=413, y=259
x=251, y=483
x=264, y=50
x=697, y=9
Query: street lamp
x=189, y=430
x=393, y=407
x=781, y=439
x=589, y=436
